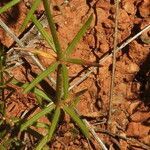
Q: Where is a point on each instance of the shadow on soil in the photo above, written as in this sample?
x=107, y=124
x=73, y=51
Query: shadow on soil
x=143, y=77
x=11, y=15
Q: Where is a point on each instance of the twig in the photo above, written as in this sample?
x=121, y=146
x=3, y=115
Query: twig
x=20, y=43
x=107, y=56
x=113, y=62
x=95, y=135
x=124, y=138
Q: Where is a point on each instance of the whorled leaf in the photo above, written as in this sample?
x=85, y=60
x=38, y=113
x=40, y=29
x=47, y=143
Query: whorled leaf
x=30, y=14
x=40, y=77
x=8, y=5
x=65, y=81
x=51, y=130
x=44, y=34
x=77, y=38
x=77, y=120
x=43, y=112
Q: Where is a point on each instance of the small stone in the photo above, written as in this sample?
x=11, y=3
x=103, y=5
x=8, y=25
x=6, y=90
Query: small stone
x=68, y=134
x=123, y=144
x=124, y=20
x=133, y=106
x=132, y=68
x=71, y=143
x=146, y=140
x=77, y=142
x=140, y=116
x=57, y=145
x=108, y=24
x=85, y=144
x=104, y=47
x=144, y=8
x=137, y=130
x=128, y=7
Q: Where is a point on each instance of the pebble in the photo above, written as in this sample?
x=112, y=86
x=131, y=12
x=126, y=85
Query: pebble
x=132, y=68
x=128, y=7
x=144, y=8
x=137, y=130
x=140, y=116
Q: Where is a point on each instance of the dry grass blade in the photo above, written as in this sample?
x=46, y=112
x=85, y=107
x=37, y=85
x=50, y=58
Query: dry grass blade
x=113, y=62
x=95, y=135
x=50, y=55
x=16, y=39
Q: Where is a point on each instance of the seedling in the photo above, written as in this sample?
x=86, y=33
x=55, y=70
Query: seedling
x=64, y=101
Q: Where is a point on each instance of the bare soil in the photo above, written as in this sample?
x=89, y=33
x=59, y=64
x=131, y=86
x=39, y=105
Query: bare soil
x=131, y=105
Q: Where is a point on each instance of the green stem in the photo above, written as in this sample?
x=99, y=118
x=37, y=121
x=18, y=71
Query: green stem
x=53, y=28
x=59, y=85
x=2, y=81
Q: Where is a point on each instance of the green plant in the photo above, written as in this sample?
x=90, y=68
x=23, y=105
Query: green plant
x=6, y=124
x=62, y=81
x=62, y=102
x=8, y=5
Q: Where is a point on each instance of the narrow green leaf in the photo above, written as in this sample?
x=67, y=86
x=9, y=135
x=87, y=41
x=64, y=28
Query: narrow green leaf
x=41, y=125
x=8, y=5
x=45, y=111
x=54, y=123
x=41, y=76
x=38, y=100
x=65, y=81
x=79, y=35
x=43, y=142
x=35, y=90
x=41, y=94
x=30, y=14
x=78, y=94
x=59, y=84
x=2, y=147
x=53, y=28
x=44, y=34
x=82, y=62
x=75, y=61
x=51, y=131
x=77, y=120
x=75, y=102
x=76, y=98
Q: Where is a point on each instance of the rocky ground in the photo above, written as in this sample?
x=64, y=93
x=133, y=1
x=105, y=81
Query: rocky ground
x=130, y=125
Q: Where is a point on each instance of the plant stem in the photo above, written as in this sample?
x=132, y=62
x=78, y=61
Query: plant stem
x=113, y=62
x=2, y=103
x=59, y=81
x=53, y=29
x=59, y=85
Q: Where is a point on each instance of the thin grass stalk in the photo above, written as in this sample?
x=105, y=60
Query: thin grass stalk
x=30, y=14
x=59, y=85
x=59, y=81
x=53, y=28
x=114, y=61
x=2, y=81
x=8, y=5
x=21, y=44
x=43, y=32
